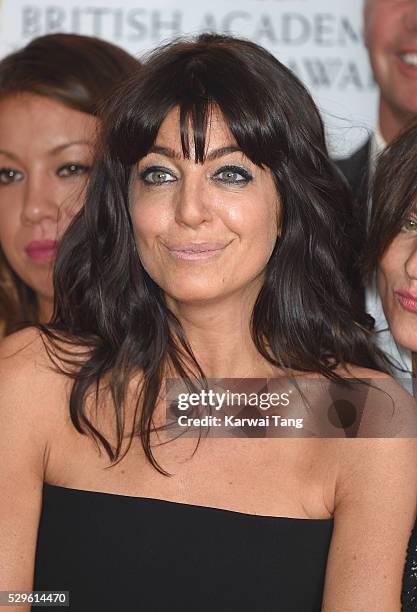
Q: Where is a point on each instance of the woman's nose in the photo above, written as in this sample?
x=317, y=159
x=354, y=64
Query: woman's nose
x=410, y=16
x=40, y=201
x=411, y=262
x=192, y=203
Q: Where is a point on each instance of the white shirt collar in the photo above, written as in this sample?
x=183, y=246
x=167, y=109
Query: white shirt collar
x=379, y=140
x=378, y=144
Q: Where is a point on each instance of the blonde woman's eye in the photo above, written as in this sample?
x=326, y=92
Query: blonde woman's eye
x=232, y=175
x=10, y=175
x=409, y=225
x=156, y=175
x=72, y=170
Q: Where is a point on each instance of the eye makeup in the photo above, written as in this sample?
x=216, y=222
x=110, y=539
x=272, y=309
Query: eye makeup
x=232, y=172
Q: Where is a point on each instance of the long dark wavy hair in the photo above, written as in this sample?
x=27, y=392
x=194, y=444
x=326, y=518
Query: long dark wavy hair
x=78, y=71
x=306, y=316
x=394, y=195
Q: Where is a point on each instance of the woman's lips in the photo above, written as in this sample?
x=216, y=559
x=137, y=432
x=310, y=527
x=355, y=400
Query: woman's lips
x=195, y=251
x=42, y=250
x=407, y=300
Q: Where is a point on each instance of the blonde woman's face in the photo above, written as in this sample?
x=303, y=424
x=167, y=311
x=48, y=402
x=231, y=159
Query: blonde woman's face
x=46, y=151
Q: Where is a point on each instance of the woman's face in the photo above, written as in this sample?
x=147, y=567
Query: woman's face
x=45, y=155
x=203, y=231
x=397, y=284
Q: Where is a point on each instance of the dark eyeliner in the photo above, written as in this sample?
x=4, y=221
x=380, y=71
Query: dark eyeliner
x=143, y=174
x=238, y=170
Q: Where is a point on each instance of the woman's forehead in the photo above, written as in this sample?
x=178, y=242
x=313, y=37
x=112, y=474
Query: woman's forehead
x=217, y=132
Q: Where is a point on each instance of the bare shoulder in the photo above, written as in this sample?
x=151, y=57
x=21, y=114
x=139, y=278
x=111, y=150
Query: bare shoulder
x=30, y=384
x=375, y=500
x=28, y=352
x=385, y=441
x=24, y=348
x=31, y=411
x=375, y=506
x=389, y=407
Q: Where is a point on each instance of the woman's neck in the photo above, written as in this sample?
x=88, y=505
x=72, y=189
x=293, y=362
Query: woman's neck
x=220, y=338
x=45, y=308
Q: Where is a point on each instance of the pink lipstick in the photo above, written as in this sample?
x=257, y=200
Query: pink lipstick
x=42, y=250
x=196, y=251
x=407, y=300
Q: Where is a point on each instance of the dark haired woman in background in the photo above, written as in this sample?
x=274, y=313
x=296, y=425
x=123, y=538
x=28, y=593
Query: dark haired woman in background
x=392, y=253
x=50, y=93
x=212, y=243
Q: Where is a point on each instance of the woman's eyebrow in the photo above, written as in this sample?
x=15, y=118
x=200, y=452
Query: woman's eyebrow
x=53, y=151
x=223, y=151
x=214, y=154
x=66, y=145
x=11, y=155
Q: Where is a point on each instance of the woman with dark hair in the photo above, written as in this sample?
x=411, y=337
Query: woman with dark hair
x=392, y=255
x=391, y=246
x=212, y=244
x=50, y=94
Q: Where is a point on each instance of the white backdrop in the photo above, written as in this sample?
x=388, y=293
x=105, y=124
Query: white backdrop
x=321, y=40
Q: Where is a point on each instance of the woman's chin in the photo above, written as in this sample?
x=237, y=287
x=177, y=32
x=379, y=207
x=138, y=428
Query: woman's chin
x=194, y=299
x=201, y=291
x=405, y=332
x=197, y=295
x=407, y=341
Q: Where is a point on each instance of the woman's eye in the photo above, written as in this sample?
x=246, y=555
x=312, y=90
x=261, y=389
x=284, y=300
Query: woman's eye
x=409, y=225
x=72, y=170
x=232, y=175
x=157, y=176
x=10, y=175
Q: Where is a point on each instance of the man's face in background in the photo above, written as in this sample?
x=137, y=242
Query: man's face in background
x=391, y=39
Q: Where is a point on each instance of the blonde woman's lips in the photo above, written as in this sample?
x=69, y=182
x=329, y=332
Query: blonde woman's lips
x=42, y=250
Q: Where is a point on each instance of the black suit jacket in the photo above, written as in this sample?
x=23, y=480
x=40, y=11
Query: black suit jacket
x=356, y=171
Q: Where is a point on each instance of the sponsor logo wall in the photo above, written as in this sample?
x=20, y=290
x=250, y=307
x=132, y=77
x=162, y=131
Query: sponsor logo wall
x=320, y=40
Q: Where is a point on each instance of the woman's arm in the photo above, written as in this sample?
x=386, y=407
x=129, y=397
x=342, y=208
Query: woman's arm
x=23, y=425
x=375, y=509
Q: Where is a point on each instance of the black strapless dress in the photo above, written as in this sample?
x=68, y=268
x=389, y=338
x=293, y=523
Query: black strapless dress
x=115, y=553
x=409, y=592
